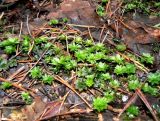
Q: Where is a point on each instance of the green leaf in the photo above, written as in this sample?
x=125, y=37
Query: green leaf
x=9, y=42
x=54, y=22
x=89, y=42
x=101, y=66
x=133, y=111
x=130, y=68
x=114, y=84
x=74, y=47
x=35, y=72
x=42, y=39
x=3, y=64
x=110, y=96
x=6, y=85
x=134, y=84
x=10, y=49
x=127, y=69
x=62, y=37
x=147, y=58
x=154, y=78
x=99, y=46
x=78, y=40
x=119, y=69
x=26, y=97
x=55, y=61
x=81, y=55
x=151, y=90
x=116, y=59
x=100, y=104
x=90, y=80
x=81, y=85
x=70, y=65
x=121, y=47
x=47, y=79
x=105, y=76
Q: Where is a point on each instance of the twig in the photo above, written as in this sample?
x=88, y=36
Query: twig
x=15, y=73
x=70, y=87
x=100, y=36
x=90, y=33
x=127, y=26
x=132, y=99
x=83, y=26
x=64, y=98
x=17, y=86
x=141, y=95
x=1, y=15
x=139, y=65
x=105, y=37
x=28, y=26
x=33, y=66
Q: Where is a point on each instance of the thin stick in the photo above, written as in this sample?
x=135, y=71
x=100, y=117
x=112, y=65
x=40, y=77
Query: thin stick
x=132, y=99
x=17, y=72
x=83, y=26
x=70, y=87
x=32, y=66
x=90, y=33
x=141, y=95
x=105, y=37
x=17, y=86
x=28, y=26
x=100, y=36
x=64, y=98
x=1, y=15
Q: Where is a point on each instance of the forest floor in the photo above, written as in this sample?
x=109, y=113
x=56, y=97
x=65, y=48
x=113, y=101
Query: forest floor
x=79, y=60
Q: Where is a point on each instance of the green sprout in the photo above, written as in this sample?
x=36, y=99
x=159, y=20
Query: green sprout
x=62, y=37
x=70, y=64
x=54, y=22
x=154, y=78
x=147, y=58
x=127, y=69
x=9, y=42
x=74, y=47
x=81, y=55
x=26, y=97
x=25, y=43
x=55, y=61
x=121, y=47
x=9, y=45
x=78, y=40
x=104, y=1
x=133, y=85
x=133, y=111
x=42, y=39
x=3, y=64
x=100, y=104
x=114, y=84
x=105, y=76
x=10, y=49
x=47, y=79
x=65, y=20
x=151, y=90
x=99, y=46
x=110, y=96
x=116, y=59
x=101, y=66
x=81, y=85
x=6, y=85
x=90, y=80
x=100, y=11
x=35, y=72
x=89, y=42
